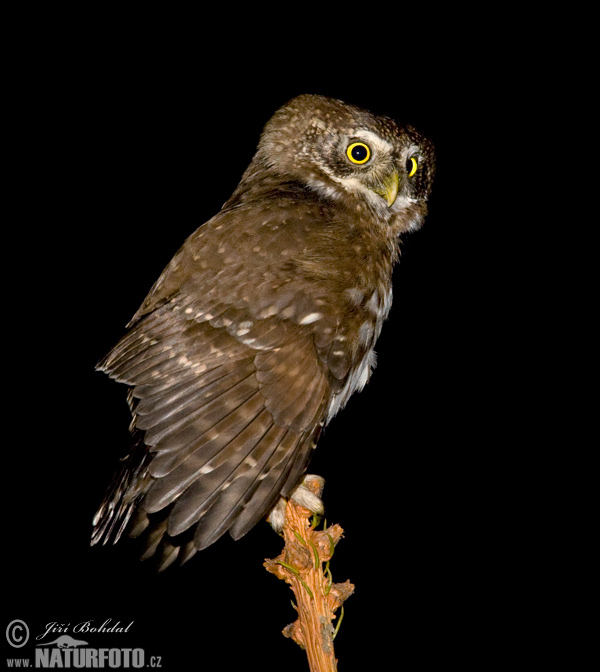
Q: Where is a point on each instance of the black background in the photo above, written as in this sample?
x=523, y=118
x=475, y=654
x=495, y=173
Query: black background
x=127, y=140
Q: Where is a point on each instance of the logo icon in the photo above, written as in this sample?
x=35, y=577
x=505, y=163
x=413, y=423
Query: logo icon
x=65, y=642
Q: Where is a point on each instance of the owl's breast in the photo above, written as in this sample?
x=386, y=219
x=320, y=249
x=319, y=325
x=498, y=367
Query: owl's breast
x=351, y=356
x=349, y=268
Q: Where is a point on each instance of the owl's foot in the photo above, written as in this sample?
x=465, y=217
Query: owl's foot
x=305, y=496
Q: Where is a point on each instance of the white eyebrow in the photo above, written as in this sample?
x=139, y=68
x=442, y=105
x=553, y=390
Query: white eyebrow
x=374, y=139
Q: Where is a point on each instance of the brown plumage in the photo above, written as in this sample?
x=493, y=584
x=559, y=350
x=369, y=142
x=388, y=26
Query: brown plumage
x=262, y=326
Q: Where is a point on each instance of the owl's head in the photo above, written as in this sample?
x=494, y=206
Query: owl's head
x=349, y=155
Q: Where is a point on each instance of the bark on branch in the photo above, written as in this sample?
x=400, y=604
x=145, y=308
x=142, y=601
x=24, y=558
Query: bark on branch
x=304, y=565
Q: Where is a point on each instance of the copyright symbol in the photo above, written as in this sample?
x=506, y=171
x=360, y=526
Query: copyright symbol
x=17, y=634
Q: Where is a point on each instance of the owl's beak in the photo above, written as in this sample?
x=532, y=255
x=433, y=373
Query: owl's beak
x=388, y=187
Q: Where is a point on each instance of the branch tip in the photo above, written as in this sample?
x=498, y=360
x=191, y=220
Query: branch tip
x=304, y=565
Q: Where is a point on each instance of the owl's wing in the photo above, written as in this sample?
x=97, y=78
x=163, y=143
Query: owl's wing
x=244, y=257
x=227, y=392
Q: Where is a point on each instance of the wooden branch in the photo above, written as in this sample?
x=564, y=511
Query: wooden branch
x=317, y=598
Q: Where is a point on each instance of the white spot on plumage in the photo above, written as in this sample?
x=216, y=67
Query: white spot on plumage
x=373, y=304
x=244, y=327
x=354, y=295
x=310, y=318
x=365, y=333
x=250, y=461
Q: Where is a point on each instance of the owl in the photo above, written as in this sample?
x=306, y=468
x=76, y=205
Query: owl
x=261, y=327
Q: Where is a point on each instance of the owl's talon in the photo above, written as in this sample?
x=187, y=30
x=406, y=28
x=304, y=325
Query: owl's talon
x=307, y=495
x=276, y=518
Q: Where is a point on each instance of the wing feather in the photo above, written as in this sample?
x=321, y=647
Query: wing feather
x=242, y=491
x=173, y=477
x=174, y=413
x=268, y=488
x=200, y=496
x=208, y=444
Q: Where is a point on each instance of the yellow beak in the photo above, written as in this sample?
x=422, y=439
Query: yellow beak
x=388, y=188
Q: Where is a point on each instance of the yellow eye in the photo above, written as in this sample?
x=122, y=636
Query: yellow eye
x=411, y=166
x=358, y=153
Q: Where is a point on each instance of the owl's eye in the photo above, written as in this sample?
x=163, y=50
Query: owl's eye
x=358, y=153
x=411, y=166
